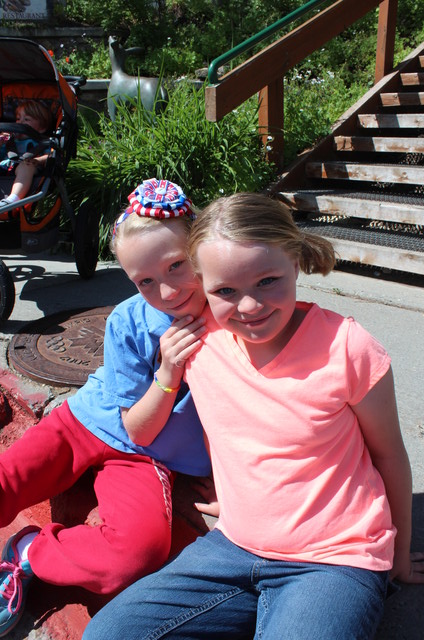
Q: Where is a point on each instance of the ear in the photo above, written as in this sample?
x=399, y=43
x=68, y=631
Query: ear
x=297, y=268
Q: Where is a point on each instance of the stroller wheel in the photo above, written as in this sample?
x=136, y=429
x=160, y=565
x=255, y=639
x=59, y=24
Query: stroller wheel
x=7, y=292
x=86, y=240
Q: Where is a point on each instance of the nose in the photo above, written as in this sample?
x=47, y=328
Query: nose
x=248, y=304
x=167, y=292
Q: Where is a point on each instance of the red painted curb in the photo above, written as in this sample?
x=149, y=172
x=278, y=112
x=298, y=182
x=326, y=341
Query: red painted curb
x=30, y=400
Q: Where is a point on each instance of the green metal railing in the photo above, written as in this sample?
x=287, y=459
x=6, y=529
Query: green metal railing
x=258, y=37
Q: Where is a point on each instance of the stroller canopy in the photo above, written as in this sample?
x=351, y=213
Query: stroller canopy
x=25, y=61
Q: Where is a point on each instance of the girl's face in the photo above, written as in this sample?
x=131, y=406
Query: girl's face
x=24, y=118
x=251, y=289
x=156, y=262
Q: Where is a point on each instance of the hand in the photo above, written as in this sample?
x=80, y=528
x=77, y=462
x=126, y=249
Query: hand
x=206, y=488
x=6, y=164
x=178, y=343
x=415, y=573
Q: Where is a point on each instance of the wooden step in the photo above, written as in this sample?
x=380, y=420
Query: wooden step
x=384, y=144
x=421, y=60
x=412, y=79
x=401, y=174
x=369, y=206
x=391, y=120
x=402, y=99
x=367, y=247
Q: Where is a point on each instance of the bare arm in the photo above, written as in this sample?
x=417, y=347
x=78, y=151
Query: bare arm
x=147, y=417
x=378, y=418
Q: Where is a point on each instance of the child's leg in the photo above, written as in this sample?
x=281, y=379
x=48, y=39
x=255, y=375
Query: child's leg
x=300, y=601
x=45, y=461
x=205, y=592
x=24, y=173
x=134, y=539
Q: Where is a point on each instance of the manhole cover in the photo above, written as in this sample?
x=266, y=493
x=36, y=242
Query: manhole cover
x=63, y=348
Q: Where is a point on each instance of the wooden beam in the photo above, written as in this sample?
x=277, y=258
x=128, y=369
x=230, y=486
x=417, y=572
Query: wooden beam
x=402, y=174
x=377, y=143
x=391, y=120
x=385, y=38
x=412, y=79
x=399, y=99
x=336, y=204
x=275, y=60
x=271, y=120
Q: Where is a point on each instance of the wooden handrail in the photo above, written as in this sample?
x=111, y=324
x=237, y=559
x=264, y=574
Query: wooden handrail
x=263, y=73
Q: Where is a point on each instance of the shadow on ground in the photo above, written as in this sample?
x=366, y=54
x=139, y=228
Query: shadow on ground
x=404, y=613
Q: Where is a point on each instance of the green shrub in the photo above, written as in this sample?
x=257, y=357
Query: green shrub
x=311, y=107
x=207, y=159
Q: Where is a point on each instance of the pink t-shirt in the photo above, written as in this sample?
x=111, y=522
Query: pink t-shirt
x=293, y=477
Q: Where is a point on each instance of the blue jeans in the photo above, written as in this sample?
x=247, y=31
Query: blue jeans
x=214, y=589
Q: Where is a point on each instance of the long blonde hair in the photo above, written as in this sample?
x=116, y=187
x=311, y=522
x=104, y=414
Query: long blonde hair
x=253, y=217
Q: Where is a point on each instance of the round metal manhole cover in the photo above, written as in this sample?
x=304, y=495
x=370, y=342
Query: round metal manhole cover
x=62, y=349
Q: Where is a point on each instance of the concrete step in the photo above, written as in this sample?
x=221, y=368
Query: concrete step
x=62, y=613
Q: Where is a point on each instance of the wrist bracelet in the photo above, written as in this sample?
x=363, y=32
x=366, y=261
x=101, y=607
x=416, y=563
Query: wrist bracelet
x=166, y=389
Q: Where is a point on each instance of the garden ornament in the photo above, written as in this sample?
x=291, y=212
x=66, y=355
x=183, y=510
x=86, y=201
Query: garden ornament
x=123, y=86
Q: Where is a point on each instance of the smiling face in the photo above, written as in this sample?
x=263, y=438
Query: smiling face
x=251, y=290
x=155, y=260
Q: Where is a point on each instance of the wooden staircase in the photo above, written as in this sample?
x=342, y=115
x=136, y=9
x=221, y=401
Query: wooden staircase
x=363, y=186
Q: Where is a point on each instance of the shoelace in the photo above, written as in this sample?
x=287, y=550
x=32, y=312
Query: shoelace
x=14, y=587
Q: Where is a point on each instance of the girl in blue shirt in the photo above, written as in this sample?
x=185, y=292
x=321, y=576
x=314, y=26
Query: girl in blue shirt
x=147, y=339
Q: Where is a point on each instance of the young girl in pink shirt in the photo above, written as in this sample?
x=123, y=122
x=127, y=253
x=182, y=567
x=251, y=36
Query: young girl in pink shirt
x=311, y=472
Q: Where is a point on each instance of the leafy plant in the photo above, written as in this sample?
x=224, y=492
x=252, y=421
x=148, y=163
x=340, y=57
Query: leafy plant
x=178, y=143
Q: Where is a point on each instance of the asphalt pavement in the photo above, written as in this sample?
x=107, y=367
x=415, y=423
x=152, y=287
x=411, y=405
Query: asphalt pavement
x=393, y=311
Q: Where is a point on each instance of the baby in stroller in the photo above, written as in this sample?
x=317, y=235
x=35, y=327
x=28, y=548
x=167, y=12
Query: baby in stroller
x=21, y=154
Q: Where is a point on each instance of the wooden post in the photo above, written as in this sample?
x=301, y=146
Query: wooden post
x=385, y=38
x=271, y=120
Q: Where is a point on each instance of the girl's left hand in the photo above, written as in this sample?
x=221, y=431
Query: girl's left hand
x=206, y=488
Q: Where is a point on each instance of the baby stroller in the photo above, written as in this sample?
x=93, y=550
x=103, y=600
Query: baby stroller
x=31, y=224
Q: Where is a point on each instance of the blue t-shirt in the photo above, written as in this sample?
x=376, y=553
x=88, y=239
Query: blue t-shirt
x=131, y=350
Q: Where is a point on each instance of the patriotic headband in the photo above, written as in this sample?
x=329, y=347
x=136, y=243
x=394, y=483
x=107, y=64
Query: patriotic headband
x=157, y=199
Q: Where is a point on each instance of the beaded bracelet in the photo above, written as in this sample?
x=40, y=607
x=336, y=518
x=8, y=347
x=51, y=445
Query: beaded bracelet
x=166, y=389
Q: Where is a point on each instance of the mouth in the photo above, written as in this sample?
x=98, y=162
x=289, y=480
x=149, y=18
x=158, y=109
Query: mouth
x=180, y=306
x=255, y=322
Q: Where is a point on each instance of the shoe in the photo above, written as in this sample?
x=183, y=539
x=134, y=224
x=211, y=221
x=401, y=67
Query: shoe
x=15, y=577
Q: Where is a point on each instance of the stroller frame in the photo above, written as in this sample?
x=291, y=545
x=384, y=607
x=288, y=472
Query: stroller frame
x=28, y=226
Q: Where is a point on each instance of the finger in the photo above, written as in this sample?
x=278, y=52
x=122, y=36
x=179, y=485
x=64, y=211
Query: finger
x=206, y=508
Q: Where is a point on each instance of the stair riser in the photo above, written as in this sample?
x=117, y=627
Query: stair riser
x=388, y=145
x=366, y=209
x=366, y=173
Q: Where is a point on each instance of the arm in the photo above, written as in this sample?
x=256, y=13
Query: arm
x=147, y=417
x=378, y=418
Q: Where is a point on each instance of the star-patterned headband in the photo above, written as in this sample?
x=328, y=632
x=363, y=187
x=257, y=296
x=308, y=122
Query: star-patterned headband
x=157, y=199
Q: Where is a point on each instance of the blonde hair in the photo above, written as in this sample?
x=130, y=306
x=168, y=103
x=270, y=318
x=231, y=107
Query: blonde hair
x=39, y=111
x=137, y=225
x=253, y=217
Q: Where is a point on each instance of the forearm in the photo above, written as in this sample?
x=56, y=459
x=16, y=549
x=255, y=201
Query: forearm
x=147, y=417
x=397, y=477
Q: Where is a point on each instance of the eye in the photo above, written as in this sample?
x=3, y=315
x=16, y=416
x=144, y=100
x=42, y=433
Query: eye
x=175, y=265
x=224, y=291
x=265, y=281
x=145, y=282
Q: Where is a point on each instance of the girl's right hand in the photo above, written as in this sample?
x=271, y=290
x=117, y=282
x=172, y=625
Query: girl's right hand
x=177, y=344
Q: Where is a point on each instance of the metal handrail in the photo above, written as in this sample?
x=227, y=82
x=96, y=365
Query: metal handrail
x=258, y=37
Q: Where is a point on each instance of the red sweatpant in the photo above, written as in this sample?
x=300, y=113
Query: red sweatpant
x=133, y=493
